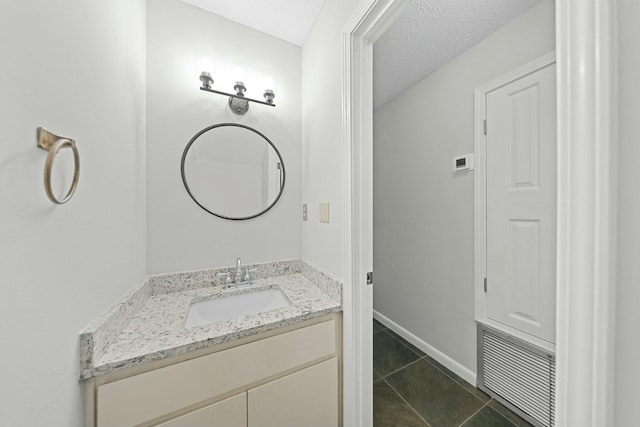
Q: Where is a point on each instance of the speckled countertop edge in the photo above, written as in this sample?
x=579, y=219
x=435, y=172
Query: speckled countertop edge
x=155, y=331
x=100, y=333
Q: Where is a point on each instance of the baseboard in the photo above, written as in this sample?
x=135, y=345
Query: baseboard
x=458, y=369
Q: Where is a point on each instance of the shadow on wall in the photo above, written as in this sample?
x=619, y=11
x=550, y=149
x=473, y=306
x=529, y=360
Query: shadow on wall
x=25, y=169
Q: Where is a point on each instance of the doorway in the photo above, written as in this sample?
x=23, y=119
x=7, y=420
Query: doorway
x=581, y=384
x=423, y=209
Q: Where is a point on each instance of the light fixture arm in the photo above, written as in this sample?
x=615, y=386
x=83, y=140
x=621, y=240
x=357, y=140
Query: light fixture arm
x=238, y=103
x=232, y=95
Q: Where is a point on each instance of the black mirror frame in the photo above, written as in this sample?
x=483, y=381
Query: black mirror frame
x=186, y=185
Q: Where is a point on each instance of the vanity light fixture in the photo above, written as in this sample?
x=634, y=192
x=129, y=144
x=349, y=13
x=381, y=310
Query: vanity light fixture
x=238, y=103
x=269, y=96
x=206, y=80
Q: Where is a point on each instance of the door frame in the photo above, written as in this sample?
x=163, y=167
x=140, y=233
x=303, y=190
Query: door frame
x=586, y=259
x=480, y=194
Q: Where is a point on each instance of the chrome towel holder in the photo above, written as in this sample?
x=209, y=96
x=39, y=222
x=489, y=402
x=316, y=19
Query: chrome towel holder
x=53, y=143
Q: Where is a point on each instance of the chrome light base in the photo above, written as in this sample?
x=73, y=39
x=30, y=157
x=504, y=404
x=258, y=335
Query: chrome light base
x=238, y=105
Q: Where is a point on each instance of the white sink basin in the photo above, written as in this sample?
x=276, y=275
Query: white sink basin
x=228, y=307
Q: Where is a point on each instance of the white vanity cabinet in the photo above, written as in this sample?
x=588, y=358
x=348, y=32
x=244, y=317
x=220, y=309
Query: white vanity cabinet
x=286, y=377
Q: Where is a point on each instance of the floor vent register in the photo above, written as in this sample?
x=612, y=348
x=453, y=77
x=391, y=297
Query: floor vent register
x=517, y=374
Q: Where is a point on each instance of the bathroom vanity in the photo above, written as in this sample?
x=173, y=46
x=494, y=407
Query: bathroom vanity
x=287, y=377
x=281, y=367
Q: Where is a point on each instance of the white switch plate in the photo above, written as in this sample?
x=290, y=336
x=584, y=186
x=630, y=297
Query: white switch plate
x=324, y=212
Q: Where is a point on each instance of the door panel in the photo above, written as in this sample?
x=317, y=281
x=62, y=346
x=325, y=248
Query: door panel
x=521, y=203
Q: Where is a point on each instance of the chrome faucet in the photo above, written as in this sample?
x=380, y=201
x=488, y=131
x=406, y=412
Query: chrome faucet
x=238, y=278
x=239, y=275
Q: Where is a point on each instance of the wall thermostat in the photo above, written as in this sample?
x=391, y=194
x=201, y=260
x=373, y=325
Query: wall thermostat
x=463, y=163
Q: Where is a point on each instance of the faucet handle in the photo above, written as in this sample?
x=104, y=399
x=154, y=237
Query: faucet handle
x=228, y=281
x=247, y=276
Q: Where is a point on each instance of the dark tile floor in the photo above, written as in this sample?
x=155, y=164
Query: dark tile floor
x=412, y=389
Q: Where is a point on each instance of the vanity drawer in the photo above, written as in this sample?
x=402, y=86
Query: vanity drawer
x=144, y=397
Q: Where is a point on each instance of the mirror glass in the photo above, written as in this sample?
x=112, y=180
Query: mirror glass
x=233, y=171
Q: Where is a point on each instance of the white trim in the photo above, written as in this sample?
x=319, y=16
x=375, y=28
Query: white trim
x=462, y=371
x=516, y=333
x=367, y=23
x=480, y=196
x=519, y=72
x=586, y=40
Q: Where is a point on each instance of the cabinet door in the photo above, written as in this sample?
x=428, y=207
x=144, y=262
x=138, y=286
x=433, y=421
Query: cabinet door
x=231, y=412
x=306, y=398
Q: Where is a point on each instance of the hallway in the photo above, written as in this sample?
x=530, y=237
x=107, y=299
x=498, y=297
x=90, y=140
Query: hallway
x=412, y=389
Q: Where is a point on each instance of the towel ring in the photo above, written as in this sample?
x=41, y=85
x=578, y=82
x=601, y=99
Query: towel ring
x=53, y=143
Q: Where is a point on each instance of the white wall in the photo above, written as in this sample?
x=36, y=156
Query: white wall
x=322, y=243
x=627, y=375
x=77, y=68
x=423, y=214
x=181, y=40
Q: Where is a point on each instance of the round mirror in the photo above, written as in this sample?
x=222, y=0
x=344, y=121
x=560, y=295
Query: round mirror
x=232, y=171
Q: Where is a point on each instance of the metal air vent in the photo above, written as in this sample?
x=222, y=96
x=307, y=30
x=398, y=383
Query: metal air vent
x=517, y=374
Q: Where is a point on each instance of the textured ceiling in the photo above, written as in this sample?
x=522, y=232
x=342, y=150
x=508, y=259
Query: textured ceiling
x=430, y=33
x=289, y=20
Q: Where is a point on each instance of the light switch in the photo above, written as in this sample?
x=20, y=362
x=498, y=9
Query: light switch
x=304, y=212
x=324, y=212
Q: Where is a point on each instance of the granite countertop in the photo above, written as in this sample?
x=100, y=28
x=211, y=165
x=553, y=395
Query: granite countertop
x=156, y=329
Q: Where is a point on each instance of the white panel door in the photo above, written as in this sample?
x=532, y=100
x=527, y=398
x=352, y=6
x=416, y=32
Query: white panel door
x=521, y=203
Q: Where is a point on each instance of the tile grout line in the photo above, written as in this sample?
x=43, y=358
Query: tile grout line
x=474, y=414
x=503, y=415
x=398, y=370
x=444, y=373
x=484, y=404
x=455, y=381
x=407, y=403
x=375, y=381
x=426, y=358
x=403, y=341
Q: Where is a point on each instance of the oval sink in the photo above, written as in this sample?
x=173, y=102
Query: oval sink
x=228, y=307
